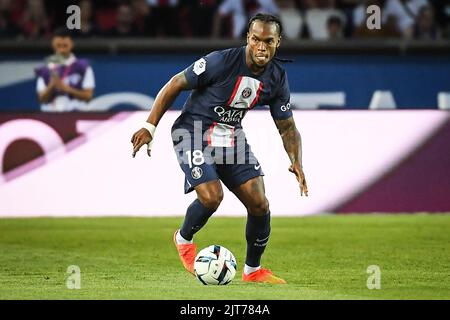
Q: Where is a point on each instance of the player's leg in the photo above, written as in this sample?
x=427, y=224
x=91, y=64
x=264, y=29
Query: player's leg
x=257, y=232
x=209, y=197
x=201, y=176
x=245, y=180
x=252, y=194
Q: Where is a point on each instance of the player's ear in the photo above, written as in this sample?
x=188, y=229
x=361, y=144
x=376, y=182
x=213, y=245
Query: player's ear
x=248, y=35
x=279, y=42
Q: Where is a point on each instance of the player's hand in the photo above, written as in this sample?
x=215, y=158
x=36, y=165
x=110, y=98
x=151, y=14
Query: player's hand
x=140, y=138
x=52, y=82
x=59, y=84
x=298, y=171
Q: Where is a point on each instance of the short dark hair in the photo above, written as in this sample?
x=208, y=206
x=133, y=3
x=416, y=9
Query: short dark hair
x=266, y=18
x=62, y=32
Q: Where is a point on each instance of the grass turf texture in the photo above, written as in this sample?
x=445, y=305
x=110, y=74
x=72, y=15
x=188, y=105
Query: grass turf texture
x=321, y=257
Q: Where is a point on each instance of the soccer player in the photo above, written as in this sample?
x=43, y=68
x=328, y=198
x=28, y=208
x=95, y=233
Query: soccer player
x=209, y=142
x=64, y=83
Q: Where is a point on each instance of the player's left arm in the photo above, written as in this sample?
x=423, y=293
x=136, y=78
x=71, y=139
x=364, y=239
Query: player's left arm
x=282, y=114
x=292, y=142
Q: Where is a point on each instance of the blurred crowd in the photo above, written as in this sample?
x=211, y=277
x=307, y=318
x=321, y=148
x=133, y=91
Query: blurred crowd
x=302, y=19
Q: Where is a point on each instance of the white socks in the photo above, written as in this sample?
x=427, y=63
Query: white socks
x=248, y=270
x=181, y=240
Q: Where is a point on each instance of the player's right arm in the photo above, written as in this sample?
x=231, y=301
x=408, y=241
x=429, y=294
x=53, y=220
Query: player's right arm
x=166, y=96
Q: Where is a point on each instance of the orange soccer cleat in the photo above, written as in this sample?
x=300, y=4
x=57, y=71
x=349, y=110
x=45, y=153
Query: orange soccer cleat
x=262, y=275
x=187, y=253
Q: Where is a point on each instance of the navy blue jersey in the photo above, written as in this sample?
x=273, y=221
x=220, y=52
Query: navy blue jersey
x=224, y=89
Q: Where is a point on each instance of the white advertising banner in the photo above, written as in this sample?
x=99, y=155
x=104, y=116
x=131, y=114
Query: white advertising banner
x=95, y=174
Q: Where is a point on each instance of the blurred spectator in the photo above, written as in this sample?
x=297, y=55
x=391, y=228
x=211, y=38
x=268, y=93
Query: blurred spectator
x=125, y=26
x=252, y=7
x=141, y=11
x=389, y=23
x=7, y=27
x=322, y=4
x=204, y=16
x=88, y=26
x=196, y=17
x=291, y=18
x=239, y=11
x=105, y=14
x=347, y=7
x=425, y=26
x=347, y=4
x=389, y=29
x=34, y=21
x=442, y=14
x=226, y=18
x=230, y=16
x=360, y=11
x=64, y=83
x=57, y=10
x=163, y=18
x=335, y=28
x=317, y=15
x=405, y=11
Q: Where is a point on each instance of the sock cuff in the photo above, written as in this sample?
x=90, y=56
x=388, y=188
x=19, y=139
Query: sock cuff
x=259, y=219
x=197, y=202
x=248, y=269
x=182, y=240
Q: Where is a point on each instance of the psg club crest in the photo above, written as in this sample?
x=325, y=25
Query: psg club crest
x=196, y=173
x=247, y=92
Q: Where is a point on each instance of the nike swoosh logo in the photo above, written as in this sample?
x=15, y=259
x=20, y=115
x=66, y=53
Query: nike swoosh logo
x=240, y=105
x=257, y=166
x=261, y=240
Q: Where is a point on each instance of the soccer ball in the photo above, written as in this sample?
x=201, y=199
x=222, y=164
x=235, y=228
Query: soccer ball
x=215, y=265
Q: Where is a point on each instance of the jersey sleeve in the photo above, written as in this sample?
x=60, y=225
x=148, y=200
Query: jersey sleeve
x=89, y=79
x=280, y=106
x=40, y=85
x=205, y=70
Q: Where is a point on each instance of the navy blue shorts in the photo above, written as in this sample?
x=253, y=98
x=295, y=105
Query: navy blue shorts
x=232, y=165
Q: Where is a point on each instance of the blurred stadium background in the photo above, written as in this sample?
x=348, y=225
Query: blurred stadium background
x=373, y=107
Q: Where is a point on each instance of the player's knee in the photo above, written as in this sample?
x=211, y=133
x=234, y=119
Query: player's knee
x=211, y=199
x=259, y=208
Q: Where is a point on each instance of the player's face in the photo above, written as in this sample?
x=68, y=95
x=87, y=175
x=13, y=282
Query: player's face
x=62, y=45
x=263, y=40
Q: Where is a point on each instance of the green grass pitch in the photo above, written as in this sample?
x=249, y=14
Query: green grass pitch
x=321, y=257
